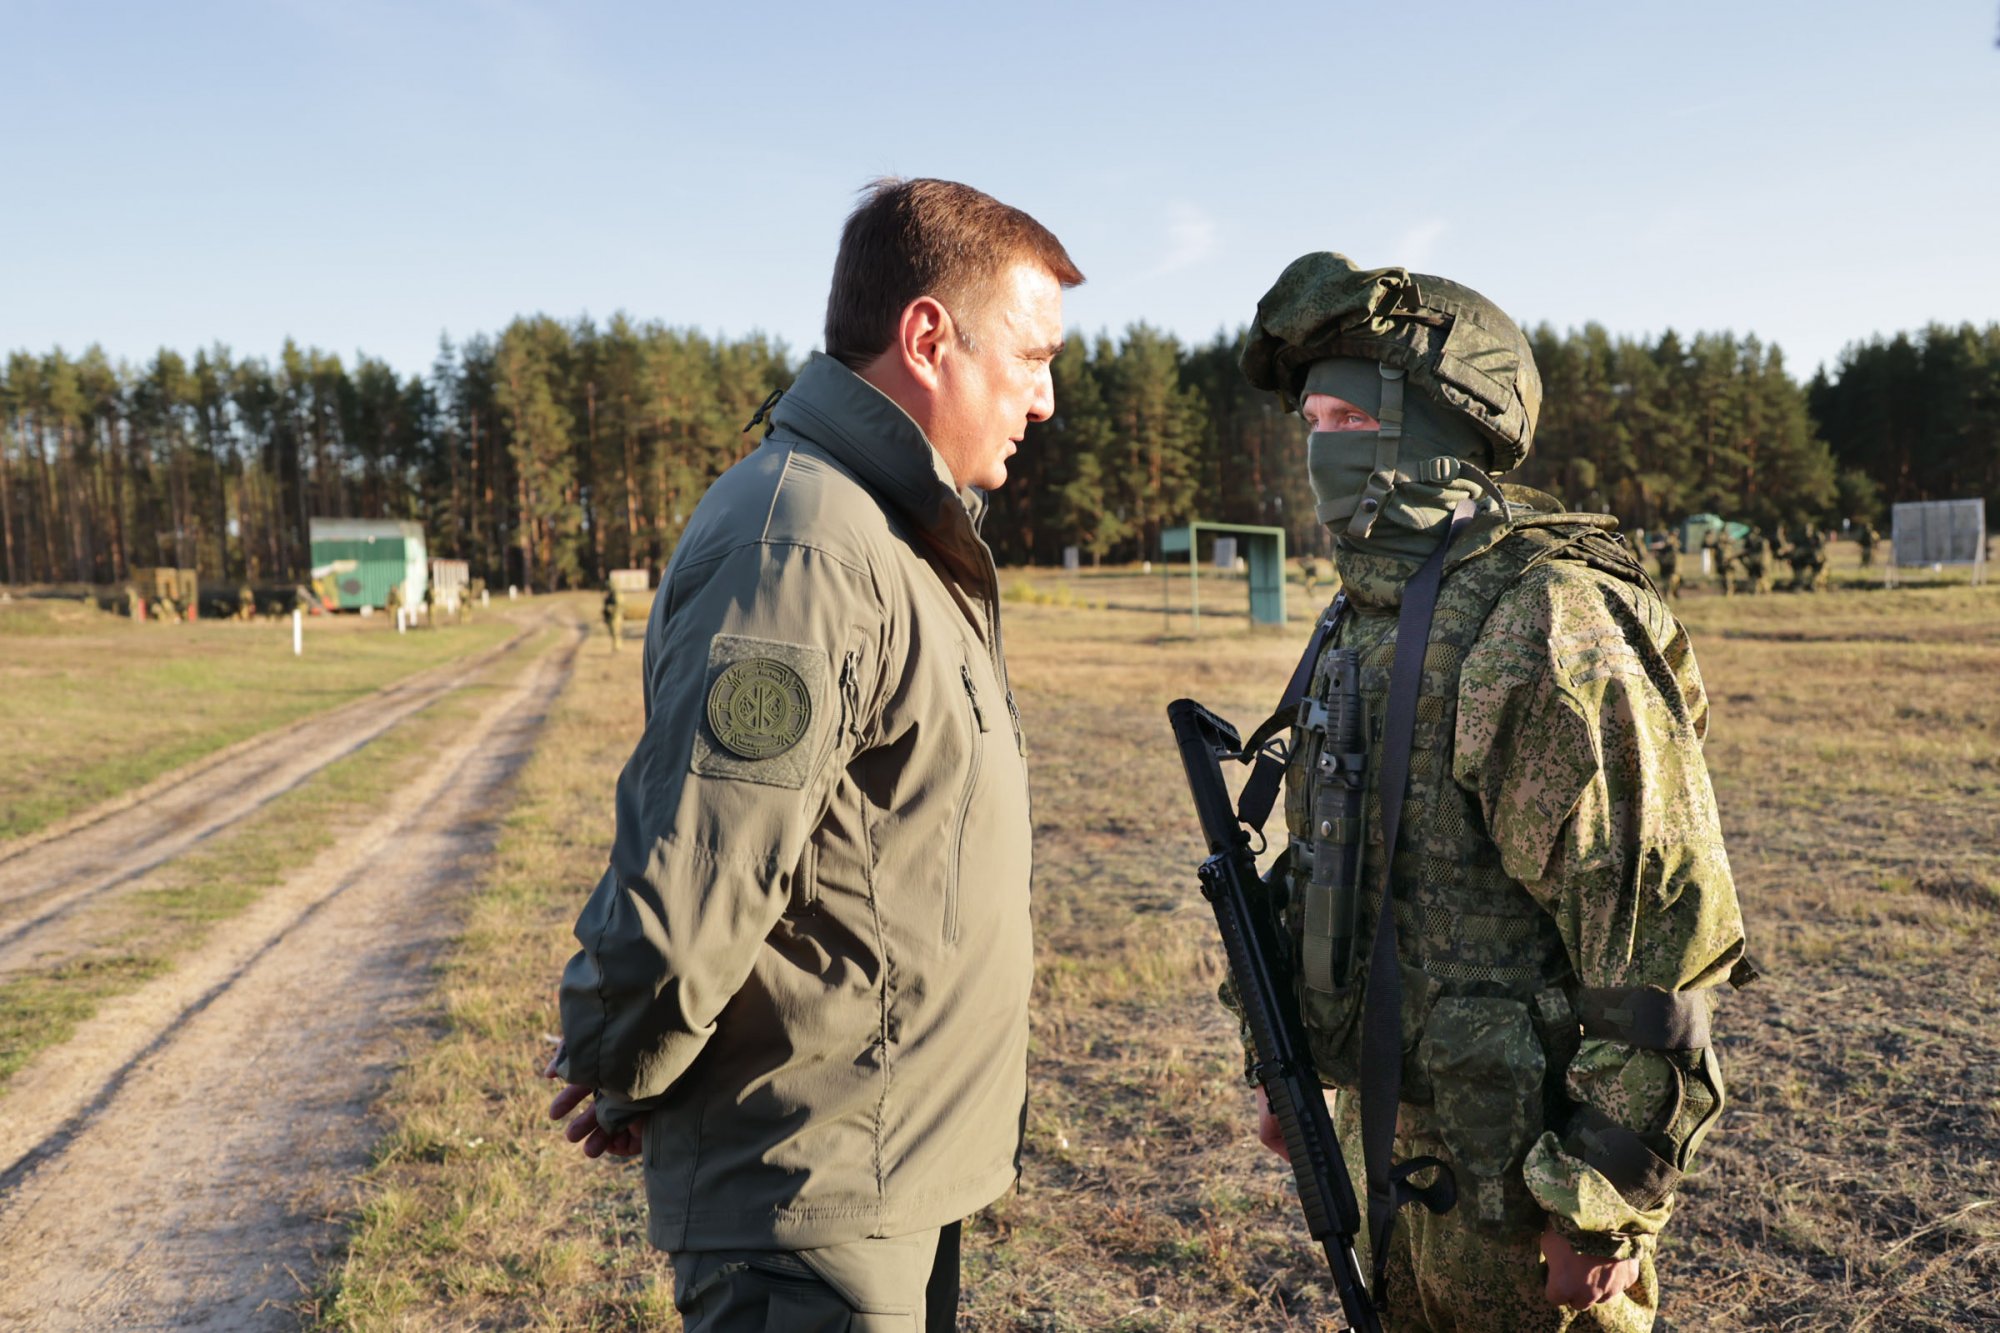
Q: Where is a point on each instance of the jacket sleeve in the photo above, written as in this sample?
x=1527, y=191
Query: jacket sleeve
x=759, y=668
x=1580, y=726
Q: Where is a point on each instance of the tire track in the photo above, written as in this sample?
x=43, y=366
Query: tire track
x=182, y=1160
x=44, y=881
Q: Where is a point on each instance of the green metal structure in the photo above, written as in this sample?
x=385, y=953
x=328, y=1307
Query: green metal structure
x=1264, y=550
x=362, y=559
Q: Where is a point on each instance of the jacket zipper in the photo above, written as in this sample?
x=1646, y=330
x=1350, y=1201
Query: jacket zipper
x=964, y=803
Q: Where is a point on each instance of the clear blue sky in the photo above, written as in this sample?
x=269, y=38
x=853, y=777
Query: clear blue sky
x=367, y=175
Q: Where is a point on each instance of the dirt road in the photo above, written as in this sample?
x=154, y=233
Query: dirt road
x=44, y=878
x=183, y=1161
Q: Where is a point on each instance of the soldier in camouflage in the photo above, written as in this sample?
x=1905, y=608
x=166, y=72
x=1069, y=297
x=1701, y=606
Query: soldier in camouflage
x=1721, y=559
x=1865, y=537
x=1757, y=557
x=614, y=617
x=1816, y=539
x=1668, y=553
x=1562, y=900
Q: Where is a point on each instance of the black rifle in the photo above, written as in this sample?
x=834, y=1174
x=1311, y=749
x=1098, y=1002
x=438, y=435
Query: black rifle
x=1230, y=882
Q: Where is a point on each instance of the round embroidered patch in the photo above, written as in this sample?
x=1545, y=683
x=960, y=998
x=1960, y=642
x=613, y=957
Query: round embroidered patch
x=759, y=708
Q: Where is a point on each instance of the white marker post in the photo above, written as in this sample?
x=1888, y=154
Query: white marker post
x=298, y=632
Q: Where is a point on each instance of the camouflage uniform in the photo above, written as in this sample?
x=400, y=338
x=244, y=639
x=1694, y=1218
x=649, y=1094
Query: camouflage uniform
x=1815, y=557
x=1560, y=888
x=1565, y=847
x=1669, y=556
x=1865, y=537
x=1721, y=560
x=614, y=617
x=1757, y=561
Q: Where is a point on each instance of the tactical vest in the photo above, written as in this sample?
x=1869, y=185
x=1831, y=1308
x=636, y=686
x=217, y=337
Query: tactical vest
x=1489, y=1013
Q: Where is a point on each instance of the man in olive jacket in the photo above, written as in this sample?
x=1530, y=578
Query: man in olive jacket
x=803, y=984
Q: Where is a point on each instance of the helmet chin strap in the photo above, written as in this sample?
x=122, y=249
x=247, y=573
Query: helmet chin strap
x=1388, y=442
x=1438, y=471
x=1362, y=511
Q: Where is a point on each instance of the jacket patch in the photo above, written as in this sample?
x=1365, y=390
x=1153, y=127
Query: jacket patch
x=759, y=708
x=762, y=710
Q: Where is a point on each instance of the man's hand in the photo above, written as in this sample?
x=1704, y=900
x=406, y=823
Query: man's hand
x=596, y=1140
x=1582, y=1280
x=1269, y=1132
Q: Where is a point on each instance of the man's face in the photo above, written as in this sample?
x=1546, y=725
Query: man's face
x=988, y=393
x=1323, y=411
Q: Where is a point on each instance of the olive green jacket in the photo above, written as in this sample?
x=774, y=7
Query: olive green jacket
x=809, y=960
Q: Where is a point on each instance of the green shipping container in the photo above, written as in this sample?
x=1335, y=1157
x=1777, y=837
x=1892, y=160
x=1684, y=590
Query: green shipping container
x=364, y=558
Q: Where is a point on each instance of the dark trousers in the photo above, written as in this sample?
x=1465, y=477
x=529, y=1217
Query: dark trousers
x=898, y=1284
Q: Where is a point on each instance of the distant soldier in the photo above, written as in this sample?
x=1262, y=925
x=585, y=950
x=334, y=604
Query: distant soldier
x=1668, y=553
x=614, y=616
x=1815, y=543
x=395, y=601
x=1757, y=561
x=430, y=605
x=246, y=603
x=1865, y=537
x=1793, y=555
x=1721, y=558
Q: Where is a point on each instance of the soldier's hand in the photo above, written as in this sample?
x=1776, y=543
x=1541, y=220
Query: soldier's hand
x=1580, y=1281
x=1269, y=1132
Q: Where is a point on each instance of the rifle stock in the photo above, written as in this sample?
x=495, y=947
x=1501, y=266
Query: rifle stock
x=1284, y=1068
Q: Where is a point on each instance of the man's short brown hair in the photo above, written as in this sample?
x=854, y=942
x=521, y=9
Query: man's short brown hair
x=914, y=238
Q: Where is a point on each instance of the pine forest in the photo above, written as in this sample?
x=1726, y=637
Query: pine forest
x=554, y=452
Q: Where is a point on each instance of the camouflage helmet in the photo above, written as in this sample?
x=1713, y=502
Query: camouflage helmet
x=1452, y=343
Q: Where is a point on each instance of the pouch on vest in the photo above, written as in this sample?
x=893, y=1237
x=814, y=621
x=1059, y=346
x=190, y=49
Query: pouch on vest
x=1486, y=1068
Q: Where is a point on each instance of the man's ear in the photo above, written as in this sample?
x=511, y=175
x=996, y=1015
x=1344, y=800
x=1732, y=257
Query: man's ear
x=922, y=337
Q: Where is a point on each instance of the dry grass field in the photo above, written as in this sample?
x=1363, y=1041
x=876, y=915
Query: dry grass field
x=94, y=704
x=1854, y=1184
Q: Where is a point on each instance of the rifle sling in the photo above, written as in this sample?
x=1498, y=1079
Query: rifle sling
x=1382, y=1012
x=1260, y=789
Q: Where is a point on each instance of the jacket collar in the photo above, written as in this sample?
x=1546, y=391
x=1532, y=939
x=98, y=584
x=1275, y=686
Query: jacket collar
x=875, y=439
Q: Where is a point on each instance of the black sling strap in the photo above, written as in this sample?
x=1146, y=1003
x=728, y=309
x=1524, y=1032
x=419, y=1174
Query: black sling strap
x=1382, y=1015
x=1260, y=789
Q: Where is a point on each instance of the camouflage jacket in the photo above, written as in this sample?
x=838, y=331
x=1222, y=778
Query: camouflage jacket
x=1577, y=742
x=1581, y=718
